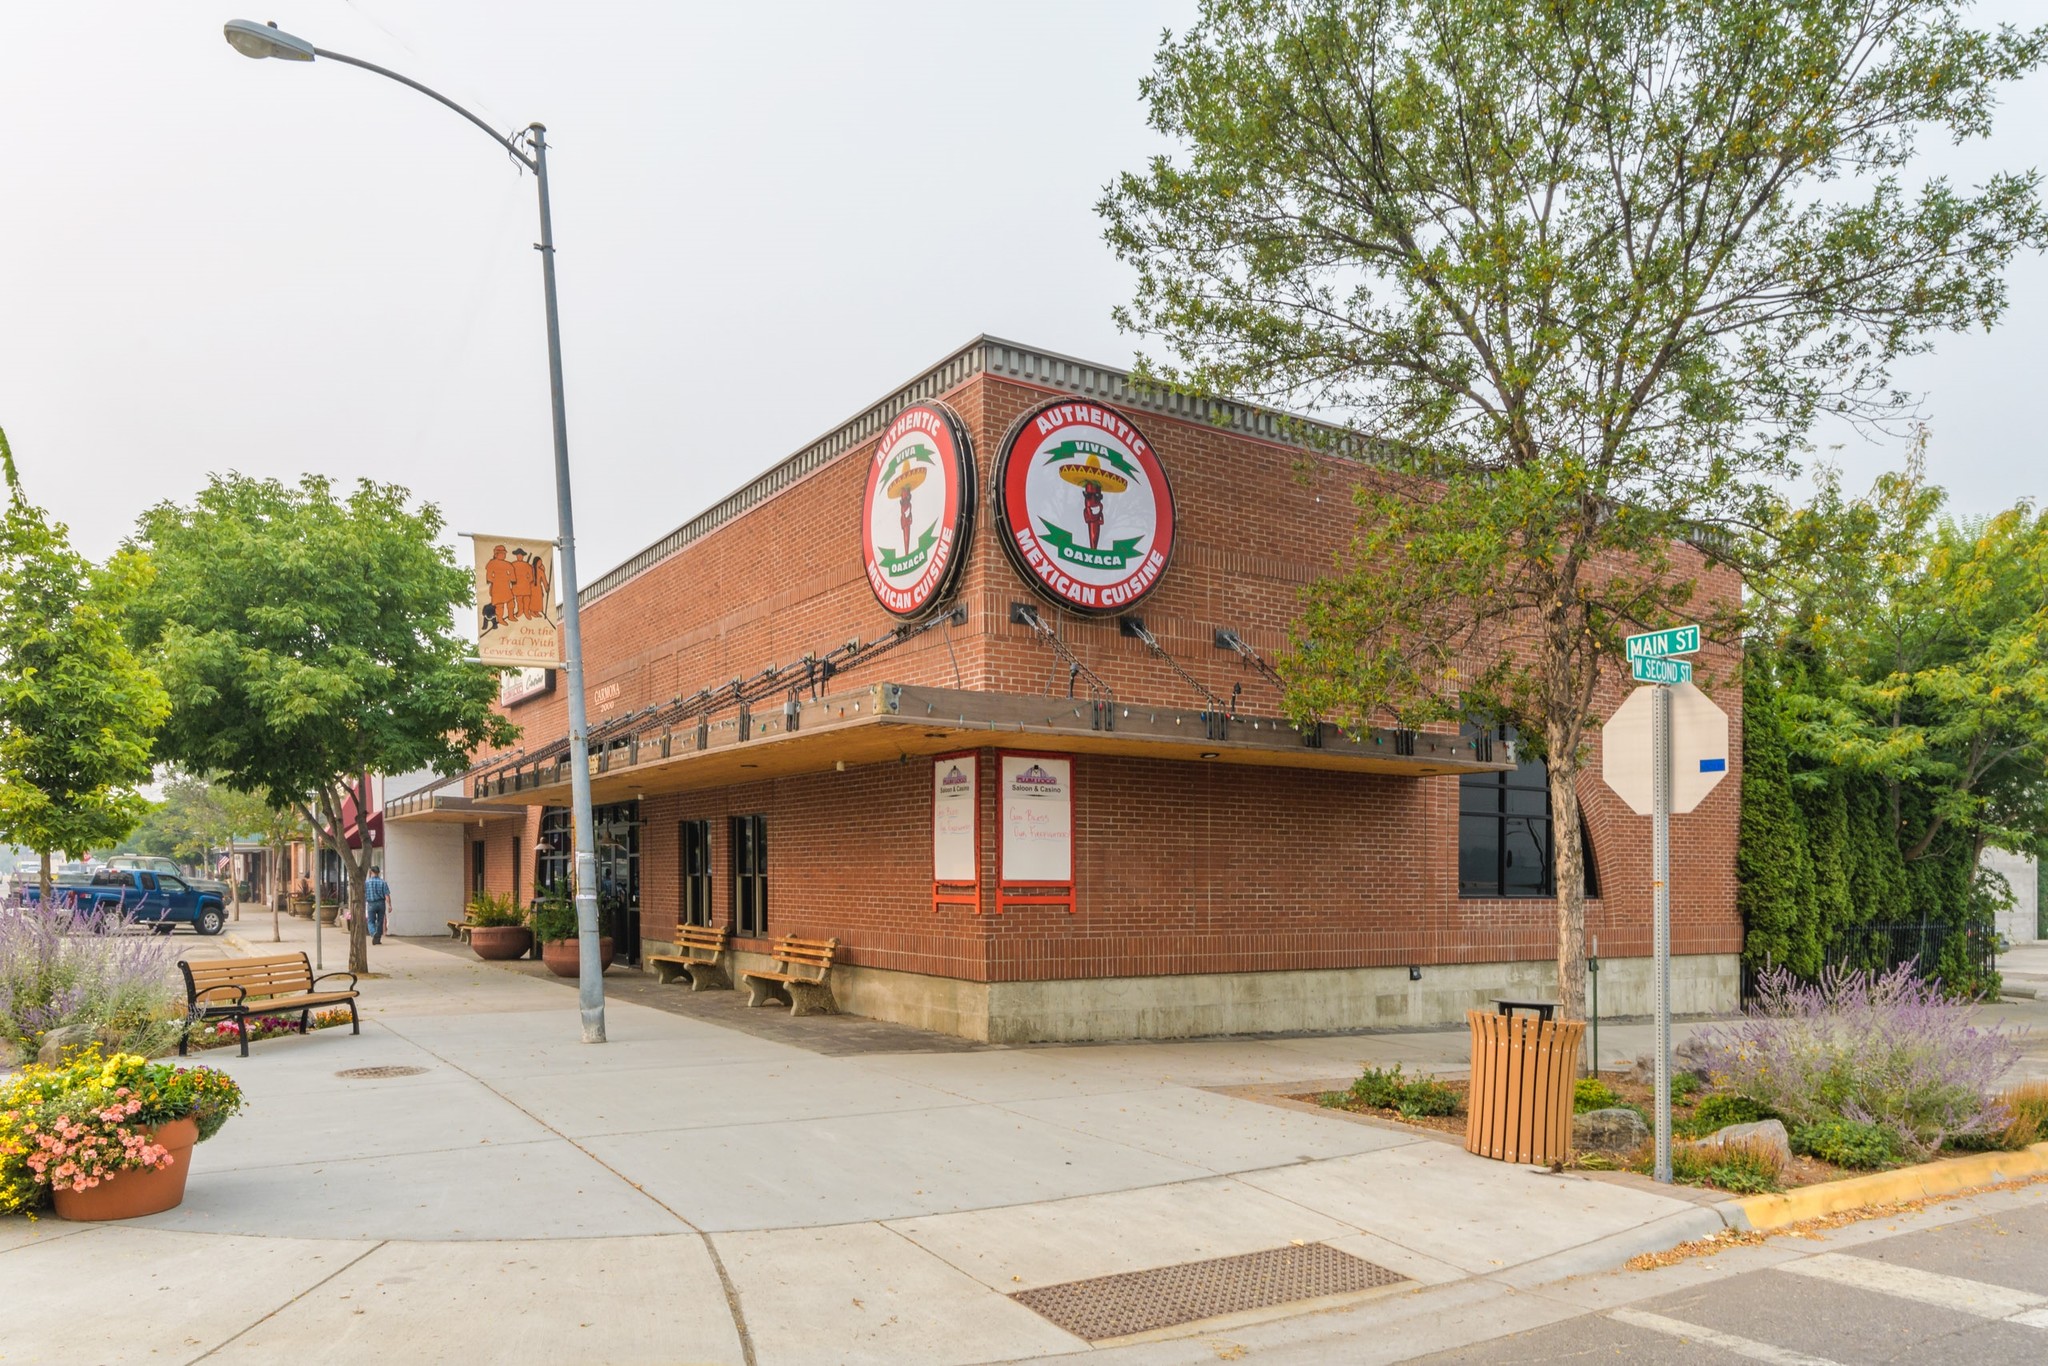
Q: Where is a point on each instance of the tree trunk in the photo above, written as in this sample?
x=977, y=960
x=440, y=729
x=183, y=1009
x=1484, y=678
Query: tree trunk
x=1569, y=857
x=43, y=878
x=357, y=862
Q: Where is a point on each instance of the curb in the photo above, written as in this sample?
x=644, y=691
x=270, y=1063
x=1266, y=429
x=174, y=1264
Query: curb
x=1608, y=1253
x=1945, y=1177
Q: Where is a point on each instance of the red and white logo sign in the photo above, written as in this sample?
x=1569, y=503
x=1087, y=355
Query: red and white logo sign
x=919, y=509
x=1085, y=510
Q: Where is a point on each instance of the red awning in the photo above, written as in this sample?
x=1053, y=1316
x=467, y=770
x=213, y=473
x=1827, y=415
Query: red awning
x=350, y=823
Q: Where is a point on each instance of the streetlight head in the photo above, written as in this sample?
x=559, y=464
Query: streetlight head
x=252, y=39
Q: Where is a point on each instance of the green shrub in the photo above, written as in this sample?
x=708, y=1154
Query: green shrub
x=1389, y=1090
x=554, y=918
x=1590, y=1093
x=1426, y=1096
x=1744, y=1168
x=1718, y=1112
x=1379, y=1088
x=1848, y=1143
x=493, y=911
x=1685, y=1085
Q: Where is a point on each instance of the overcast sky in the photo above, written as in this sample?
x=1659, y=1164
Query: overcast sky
x=768, y=214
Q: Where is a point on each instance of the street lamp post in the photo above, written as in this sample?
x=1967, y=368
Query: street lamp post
x=266, y=40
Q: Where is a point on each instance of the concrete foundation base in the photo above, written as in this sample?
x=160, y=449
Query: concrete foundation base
x=1202, y=1004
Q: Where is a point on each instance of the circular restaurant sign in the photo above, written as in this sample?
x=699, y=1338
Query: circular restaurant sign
x=919, y=509
x=1083, y=505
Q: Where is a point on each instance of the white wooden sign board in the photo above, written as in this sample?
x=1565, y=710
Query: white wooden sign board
x=954, y=855
x=1038, y=819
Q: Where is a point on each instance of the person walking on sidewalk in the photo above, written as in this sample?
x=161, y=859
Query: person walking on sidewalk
x=376, y=902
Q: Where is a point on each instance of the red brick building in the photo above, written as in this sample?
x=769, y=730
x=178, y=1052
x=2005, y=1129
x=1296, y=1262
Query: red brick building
x=1008, y=664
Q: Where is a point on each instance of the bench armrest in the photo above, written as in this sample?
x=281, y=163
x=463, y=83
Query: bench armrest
x=325, y=975
x=203, y=997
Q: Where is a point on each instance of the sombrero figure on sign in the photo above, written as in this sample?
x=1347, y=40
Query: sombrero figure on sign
x=906, y=482
x=1093, y=481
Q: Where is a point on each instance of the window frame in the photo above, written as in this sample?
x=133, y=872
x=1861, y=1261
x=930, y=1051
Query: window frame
x=749, y=862
x=554, y=852
x=694, y=906
x=1501, y=817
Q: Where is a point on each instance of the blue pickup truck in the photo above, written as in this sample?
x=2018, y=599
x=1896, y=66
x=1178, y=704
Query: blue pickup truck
x=163, y=901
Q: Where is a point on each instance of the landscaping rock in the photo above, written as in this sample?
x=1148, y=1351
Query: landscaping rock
x=64, y=1040
x=1614, y=1130
x=1768, y=1132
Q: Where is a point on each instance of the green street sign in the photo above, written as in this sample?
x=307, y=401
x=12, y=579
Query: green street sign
x=1661, y=670
x=1678, y=640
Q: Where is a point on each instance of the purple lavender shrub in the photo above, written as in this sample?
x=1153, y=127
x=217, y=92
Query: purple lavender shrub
x=1888, y=1050
x=57, y=969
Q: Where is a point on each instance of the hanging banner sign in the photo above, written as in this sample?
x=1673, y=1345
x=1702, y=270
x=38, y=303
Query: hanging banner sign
x=516, y=619
x=956, y=849
x=1038, y=819
x=1084, y=507
x=919, y=509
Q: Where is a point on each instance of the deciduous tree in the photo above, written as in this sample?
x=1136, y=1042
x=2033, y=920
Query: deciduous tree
x=1581, y=275
x=307, y=639
x=78, y=710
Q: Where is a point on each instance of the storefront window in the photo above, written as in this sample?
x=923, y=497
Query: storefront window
x=750, y=875
x=616, y=832
x=1504, y=835
x=553, y=853
x=696, y=863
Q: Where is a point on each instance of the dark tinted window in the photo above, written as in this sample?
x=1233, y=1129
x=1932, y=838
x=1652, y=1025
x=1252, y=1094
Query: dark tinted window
x=1504, y=829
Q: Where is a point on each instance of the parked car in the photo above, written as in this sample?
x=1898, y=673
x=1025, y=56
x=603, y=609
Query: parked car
x=157, y=863
x=163, y=901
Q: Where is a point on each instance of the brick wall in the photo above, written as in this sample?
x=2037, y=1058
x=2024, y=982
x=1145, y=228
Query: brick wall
x=1180, y=867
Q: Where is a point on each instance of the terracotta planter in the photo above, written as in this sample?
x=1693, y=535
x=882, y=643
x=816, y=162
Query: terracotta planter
x=132, y=1194
x=564, y=959
x=327, y=914
x=500, y=943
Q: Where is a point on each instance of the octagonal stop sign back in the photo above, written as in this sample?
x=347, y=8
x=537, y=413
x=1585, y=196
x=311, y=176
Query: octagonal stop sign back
x=1699, y=749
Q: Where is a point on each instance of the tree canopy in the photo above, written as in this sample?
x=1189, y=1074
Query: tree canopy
x=197, y=817
x=78, y=710
x=1917, y=652
x=307, y=640
x=1906, y=655
x=1581, y=276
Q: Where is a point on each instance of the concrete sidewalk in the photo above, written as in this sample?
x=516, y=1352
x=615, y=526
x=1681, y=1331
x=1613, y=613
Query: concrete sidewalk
x=689, y=1192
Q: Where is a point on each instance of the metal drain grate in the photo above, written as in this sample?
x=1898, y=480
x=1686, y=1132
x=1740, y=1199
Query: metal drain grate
x=378, y=1073
x=1141, y=1301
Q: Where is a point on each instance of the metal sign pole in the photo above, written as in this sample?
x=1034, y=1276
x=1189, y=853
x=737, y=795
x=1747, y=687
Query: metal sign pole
x=1660, y=786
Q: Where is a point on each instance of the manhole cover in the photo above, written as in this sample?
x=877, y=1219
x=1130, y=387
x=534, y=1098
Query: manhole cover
x=378, y=1073
x=1141, y=1301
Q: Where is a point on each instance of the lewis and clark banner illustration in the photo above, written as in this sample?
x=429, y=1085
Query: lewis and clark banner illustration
x=517, y=622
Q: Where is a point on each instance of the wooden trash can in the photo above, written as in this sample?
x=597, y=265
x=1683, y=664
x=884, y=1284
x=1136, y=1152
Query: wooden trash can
x=1523, y=1068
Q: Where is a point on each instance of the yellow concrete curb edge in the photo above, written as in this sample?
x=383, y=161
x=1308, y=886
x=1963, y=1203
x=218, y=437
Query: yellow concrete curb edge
x=1945, y=1177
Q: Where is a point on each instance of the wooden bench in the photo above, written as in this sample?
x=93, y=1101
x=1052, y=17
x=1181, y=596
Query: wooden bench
x=459, y=929
x=699, y=949
x=799, y=978
x=272, y=984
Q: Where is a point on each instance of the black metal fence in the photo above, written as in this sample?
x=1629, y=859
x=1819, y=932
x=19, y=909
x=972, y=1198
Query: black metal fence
x=1960, y=958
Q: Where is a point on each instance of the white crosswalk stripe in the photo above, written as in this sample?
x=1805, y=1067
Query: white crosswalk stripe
x=1964, y=1296
x=1727, y=1342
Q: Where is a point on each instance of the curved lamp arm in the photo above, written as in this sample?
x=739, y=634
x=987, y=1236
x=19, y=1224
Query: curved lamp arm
x=267, y=40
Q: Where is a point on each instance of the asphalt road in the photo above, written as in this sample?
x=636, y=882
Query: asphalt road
x=1973, y=1291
